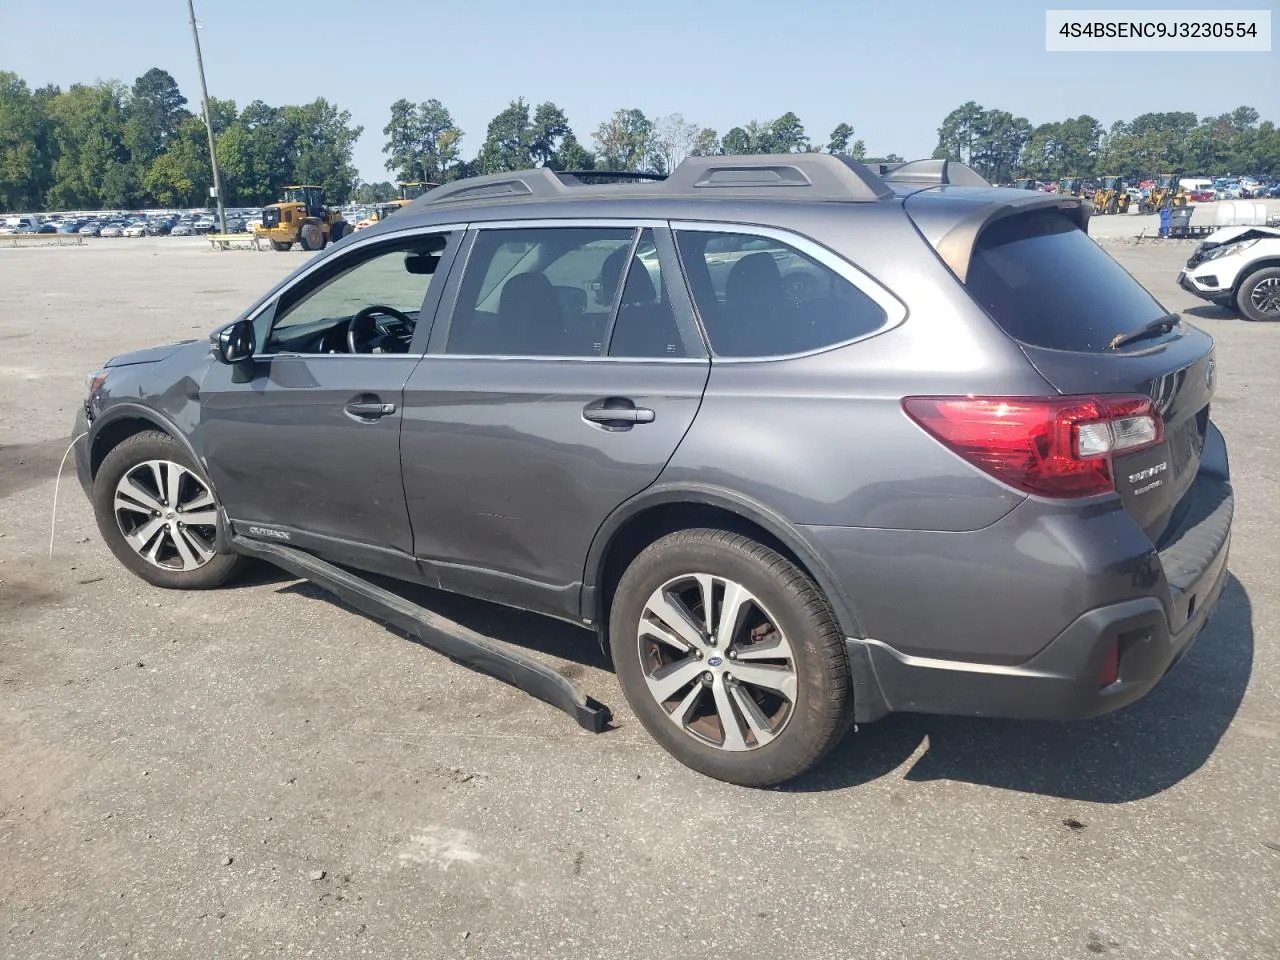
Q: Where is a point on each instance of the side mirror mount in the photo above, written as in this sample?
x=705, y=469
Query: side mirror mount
x=234, y=344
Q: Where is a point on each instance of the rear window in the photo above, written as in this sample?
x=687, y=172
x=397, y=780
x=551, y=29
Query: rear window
x=1046, y=284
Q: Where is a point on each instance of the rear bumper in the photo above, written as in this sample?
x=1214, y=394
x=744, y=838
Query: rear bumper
x=1062, y=681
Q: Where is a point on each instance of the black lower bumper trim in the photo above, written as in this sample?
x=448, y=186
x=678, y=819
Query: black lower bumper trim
x=441, y=634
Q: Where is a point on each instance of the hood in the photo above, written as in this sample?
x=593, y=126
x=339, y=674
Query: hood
x=148, y=355
x=1228, y=234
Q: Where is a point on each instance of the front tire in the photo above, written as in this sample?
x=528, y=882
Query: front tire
x=157, y=512
x=1259, y=296
x=731, y=657
x=311, y=237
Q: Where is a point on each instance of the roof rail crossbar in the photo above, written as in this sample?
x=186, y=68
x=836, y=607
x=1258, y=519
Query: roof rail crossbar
x=935, y=172
x=617, y=175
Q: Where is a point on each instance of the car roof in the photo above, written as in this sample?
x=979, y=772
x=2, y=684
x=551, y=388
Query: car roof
x=948, y=201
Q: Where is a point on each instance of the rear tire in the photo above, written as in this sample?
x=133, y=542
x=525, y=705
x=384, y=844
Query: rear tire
x=157, y=512
x=1259, y=296
x=280, y=247
x=778, y=669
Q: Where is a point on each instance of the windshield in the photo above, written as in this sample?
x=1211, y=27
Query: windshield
x=1046, y=284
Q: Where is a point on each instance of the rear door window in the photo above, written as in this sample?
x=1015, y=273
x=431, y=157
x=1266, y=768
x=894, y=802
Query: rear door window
x=760, y=297
x=1046, y=284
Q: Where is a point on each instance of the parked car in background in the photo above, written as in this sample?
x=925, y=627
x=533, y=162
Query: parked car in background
x=20, y=225
x=160, y=226
x=961, y=463
x=136, y=229
x=112, y=229
x=1237, y=268
x=70, y=226
x=91, y=228
x=183, y=228
x=204, y=224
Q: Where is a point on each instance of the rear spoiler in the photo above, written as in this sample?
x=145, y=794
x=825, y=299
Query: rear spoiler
x=955, y=247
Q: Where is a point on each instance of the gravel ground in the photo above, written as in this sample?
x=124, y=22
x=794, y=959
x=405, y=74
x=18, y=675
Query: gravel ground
x=261, y=772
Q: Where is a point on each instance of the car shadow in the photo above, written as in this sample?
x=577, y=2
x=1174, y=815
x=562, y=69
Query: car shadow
x=1211, y=312
x=1136, y=752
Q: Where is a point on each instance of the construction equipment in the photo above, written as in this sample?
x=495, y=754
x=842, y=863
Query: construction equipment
x=1111, y=196
x=411, y=190
x=302, y=217
x=376, y=213
x=1071, y=187
x=1167, y=192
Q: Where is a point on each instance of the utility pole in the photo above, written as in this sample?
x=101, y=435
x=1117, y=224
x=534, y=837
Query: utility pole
x=208, y=120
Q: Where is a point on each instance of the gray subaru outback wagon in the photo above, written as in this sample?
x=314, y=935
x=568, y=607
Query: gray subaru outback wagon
x=805, y=443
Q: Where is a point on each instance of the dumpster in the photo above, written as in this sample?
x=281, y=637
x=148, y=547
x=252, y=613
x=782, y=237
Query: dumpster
x=1179, y=221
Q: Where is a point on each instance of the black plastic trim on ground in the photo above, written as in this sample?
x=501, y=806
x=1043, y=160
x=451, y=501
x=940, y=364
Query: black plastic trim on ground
x=455, y=641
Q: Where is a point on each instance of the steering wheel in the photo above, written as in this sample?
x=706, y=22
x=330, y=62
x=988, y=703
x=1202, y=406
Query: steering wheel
x=363, y=331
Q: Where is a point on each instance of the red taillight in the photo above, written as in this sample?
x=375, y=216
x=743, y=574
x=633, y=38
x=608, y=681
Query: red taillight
x=1111, y=666
x=1049, y=446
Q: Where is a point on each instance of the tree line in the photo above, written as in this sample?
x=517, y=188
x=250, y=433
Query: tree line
x=108, y=145
x=424, y=143
x=1001, y=146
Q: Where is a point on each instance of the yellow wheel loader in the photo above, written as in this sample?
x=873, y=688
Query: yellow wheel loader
x=302, y=218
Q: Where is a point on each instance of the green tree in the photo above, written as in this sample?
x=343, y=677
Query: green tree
x=508, y=143
x=155, y=108
x=705, y=144
x=423, y=142
x=625, y=141
x=786, y=135
x=25, y=161
x=318, y=140
x=674, y=138
x=92, y=166
x=571, y=155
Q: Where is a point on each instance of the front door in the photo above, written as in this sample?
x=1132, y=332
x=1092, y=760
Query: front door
x=562, y=383
x=307, y=449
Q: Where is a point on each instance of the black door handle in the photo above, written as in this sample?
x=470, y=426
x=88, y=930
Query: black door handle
x=617, y=412
x=369, y=409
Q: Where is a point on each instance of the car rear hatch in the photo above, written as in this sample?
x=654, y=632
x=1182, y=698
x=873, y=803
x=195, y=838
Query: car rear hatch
x=1091, y=329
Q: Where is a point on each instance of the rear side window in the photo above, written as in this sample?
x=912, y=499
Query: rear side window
x=1046, y=284
x=760, y=297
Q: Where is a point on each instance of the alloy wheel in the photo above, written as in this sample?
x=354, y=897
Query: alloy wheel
x=717, y=662
x=1265, y=297
x=167, y=515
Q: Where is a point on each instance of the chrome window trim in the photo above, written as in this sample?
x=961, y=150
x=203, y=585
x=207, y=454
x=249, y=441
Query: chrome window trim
x=895, y=310
x=627, y=223
x=355, y=244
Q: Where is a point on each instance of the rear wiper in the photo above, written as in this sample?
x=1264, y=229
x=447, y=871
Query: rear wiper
x=1152, y=329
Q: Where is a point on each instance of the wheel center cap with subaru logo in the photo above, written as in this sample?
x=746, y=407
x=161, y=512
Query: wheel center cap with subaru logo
x=714, y=661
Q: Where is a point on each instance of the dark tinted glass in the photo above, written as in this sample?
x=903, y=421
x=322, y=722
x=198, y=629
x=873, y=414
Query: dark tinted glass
x=646, y=325
x=1047, y=284
x=759, y=297
x=539, y=292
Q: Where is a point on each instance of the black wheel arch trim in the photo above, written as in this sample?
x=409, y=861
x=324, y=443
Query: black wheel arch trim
x=1248, y=271
x=129, y=410
x=592, y=602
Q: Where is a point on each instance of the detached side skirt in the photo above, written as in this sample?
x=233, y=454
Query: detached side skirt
x=441, y=634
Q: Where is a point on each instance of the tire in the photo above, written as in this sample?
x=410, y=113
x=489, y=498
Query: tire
x=280, y=247
x=338, y=231
x=182, y=556
x=787, y=649
x=1259, y=296
x=311, y=237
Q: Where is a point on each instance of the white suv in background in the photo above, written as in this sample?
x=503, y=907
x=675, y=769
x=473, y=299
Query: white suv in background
x=1238, y=268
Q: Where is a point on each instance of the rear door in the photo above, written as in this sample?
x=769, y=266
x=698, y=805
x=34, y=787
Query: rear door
x=566, y=374
x=1066, y=302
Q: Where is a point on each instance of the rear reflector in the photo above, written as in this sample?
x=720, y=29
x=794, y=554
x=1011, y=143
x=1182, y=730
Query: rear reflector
x=1111, y=666
x=1049, y=446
